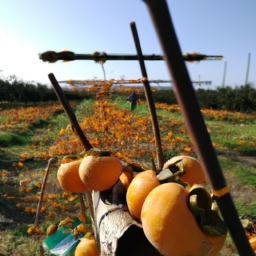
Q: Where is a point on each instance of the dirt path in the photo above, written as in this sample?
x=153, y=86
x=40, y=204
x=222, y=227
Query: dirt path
x=237, y=157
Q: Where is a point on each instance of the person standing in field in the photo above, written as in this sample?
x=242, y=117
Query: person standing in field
x=132, y=98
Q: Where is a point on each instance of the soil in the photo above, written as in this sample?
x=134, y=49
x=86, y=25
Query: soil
x=10, y=216
x=237, y=157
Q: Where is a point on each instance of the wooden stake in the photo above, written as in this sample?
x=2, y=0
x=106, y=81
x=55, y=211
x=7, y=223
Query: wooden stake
x=149, y=98
x=50, y=161
x=71, y=115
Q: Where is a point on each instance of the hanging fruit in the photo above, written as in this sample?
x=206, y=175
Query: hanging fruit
x=87, y=247
x=100, y=172
x=172, y=228
x=69, y=178
x=187, y=168
x=138, y=190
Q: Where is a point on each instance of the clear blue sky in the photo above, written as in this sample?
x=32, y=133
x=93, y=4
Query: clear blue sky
x=29, y=27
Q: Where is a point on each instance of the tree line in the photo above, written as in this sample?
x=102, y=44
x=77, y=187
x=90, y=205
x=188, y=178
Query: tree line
x=241, y=98
x=16, y=90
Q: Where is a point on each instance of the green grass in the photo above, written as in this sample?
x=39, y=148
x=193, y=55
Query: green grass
x=237, y=137
x=15, y=243
x=41, y=124
x=8, y=139
x=241, y=180
x=83, y=109
x=243, y=173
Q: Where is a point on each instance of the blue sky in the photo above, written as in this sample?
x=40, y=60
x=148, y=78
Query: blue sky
x=29, y=27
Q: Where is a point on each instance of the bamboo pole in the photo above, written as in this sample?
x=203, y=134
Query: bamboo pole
x=187, y=100
x=149, y=98
x=51, y=56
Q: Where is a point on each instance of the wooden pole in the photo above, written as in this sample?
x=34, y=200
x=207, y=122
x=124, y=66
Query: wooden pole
x=65, y=104
x=149, y=98
x=86, y=144
x=38, y=210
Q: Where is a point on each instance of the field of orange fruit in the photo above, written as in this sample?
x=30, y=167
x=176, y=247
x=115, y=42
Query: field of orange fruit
x=127, y=135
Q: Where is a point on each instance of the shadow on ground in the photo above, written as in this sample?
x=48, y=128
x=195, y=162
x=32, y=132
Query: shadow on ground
x=10, y=215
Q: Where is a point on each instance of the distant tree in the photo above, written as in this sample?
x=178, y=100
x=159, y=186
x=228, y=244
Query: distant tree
x=163, y=96
x=207, y=98
x=3, y=91
x=31, y=93
x=247, y=94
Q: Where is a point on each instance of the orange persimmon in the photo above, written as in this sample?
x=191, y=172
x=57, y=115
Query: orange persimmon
x=100, y=173
x=87, y=247
x=189, y=167
x=68, y=177
x=171, y=227
x=138, y=190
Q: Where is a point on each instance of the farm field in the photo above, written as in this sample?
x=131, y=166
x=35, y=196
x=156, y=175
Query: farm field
x=31, y=135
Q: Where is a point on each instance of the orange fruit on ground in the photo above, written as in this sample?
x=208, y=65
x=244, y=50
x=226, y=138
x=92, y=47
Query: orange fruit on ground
x=171, y=227
x=68, y=177
x=87, y=247
x=31, y=230
x=193, y=171
x=138, y=190
x=100, y=173
x=51, y=229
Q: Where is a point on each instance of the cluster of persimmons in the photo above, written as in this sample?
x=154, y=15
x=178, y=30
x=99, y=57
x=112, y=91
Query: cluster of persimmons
x=171, y=205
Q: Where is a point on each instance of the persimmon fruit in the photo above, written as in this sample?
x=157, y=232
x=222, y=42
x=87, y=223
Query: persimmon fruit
x=138, y=190
x=86, y=247
x=170, y=226
x=252, y=242
x=189, y=167
x=51, y=229
x=100, y=172
x=69, y=178
x=126, y=179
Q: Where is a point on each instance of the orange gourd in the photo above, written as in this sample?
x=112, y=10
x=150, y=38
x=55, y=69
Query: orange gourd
x=68, y=177
x=100, y=173
x=171, y=227
x=138, y=190
x=87, y=247
x=190, y=168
